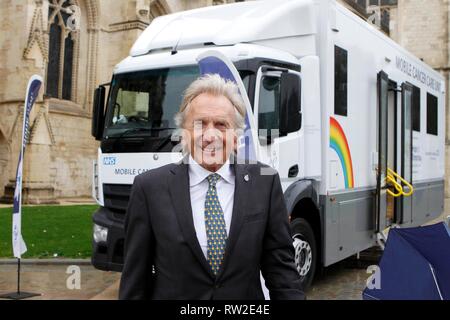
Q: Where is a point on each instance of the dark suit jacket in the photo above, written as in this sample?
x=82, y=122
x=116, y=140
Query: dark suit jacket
x=160, y=231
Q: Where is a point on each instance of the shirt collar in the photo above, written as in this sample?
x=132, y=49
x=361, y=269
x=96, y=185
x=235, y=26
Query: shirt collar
x=197, y=173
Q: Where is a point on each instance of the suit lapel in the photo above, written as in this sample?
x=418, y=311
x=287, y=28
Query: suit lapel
x=243, y=182
x=180, y=194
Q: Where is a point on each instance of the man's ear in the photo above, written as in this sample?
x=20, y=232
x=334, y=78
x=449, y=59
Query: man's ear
x=185, y=142
x=235, y=141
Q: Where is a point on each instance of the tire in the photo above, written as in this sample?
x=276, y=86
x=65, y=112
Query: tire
x=305, y=247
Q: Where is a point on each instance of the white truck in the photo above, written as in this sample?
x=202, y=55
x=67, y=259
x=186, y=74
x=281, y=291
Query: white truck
x=360, y=146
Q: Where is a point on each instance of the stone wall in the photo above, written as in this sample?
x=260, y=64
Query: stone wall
x=422, y=27
x=58, y=159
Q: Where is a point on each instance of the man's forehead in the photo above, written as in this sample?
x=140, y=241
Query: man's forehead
x=209, y=99
x=206, y=108
x=200, y=117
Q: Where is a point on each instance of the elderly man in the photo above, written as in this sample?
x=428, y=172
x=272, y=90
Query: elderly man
x=208, y=225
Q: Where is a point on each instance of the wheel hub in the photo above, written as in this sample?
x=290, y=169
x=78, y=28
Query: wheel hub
x=303, y=255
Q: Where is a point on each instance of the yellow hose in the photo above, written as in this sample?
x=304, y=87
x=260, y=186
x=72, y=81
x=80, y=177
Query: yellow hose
x=392, y=178
x=397, y=187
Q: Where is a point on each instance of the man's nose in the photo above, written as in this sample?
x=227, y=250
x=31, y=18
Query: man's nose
x=210, y=133
x=209, y=126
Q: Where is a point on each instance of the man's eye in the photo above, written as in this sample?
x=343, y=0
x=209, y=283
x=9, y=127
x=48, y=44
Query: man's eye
x=221, y=125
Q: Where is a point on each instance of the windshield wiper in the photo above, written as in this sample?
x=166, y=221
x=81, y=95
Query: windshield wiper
x=165, y=141
x=140, y=129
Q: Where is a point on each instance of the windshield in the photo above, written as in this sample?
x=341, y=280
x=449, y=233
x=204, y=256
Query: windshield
x=142, y=106
x=144, y=103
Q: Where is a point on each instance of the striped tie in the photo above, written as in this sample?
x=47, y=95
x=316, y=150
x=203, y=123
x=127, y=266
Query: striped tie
x=215, y=225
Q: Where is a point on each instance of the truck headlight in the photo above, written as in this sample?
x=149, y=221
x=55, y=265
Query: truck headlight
x=100, y=233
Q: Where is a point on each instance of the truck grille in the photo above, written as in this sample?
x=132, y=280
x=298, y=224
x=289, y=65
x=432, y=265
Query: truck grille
x=116, y=197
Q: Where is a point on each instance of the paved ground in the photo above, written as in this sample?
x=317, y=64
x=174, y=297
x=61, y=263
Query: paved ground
x=342, y=281
x=51, y=281
x=345, y=280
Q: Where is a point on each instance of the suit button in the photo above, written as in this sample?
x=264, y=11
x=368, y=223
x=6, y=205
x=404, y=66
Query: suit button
x=217, y=286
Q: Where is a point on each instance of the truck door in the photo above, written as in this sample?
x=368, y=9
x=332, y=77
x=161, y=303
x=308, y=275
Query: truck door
x=381, y=199
x=406, y=156
x=392, y=133
x=279, y=142
x=394, y=204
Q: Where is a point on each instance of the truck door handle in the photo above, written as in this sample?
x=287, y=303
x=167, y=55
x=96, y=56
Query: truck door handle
x=293, y=171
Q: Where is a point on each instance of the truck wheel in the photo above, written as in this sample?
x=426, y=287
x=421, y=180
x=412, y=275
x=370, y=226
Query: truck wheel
x=305, y=250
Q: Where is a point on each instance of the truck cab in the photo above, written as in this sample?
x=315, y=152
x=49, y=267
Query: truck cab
x=138, y=132
x=134, y=114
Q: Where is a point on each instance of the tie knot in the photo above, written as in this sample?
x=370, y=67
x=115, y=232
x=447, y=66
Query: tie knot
x=212, y=179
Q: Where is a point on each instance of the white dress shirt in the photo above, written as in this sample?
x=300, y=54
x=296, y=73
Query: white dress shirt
x=198, y=185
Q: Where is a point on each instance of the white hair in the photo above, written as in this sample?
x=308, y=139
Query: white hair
x=217, y=86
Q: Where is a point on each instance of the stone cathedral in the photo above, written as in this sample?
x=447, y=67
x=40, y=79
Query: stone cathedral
x=75, y=44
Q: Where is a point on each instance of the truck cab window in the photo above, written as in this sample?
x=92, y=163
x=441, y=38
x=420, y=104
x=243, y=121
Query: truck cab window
x=269, y=105
x=135, y=106
x=245, y=76
x=147, y=100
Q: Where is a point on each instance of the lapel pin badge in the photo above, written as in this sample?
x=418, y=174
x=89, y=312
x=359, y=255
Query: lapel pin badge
x=246, y=178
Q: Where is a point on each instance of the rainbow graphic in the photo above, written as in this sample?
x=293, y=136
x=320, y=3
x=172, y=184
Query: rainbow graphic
x=338, y=142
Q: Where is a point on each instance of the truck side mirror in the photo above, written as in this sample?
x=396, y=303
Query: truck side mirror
x=290, y=108
x=98, y=117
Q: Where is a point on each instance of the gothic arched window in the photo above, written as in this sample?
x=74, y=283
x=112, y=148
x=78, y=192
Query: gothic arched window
x=63, y=35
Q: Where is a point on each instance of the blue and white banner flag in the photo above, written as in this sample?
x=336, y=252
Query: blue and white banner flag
x=214, y=62
x=19, y=247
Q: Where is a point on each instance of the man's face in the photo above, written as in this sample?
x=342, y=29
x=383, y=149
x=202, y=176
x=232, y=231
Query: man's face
x=210, y=134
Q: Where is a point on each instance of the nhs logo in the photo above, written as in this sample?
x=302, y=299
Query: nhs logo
x=109, y=161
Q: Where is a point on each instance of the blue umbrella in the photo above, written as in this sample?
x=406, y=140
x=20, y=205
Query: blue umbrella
x=415, y=265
